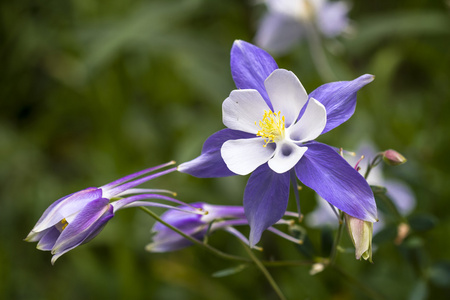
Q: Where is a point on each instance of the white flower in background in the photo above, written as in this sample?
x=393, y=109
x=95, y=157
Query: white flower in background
x=288, y=21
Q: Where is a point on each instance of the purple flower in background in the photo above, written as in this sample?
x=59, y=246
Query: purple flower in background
x=288, y=21
x=219, y=217
x=77, y=218
x=272, y=123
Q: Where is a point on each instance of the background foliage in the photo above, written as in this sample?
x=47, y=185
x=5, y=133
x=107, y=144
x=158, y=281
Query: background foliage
x=94, y=90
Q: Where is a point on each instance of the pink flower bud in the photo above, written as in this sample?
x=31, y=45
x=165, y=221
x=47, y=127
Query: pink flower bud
x=393, y=158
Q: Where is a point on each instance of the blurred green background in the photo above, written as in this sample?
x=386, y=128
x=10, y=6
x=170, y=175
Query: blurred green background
x=94, y=90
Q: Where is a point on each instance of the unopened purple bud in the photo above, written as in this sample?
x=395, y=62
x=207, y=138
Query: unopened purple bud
x=393, y=158
x=77, y=218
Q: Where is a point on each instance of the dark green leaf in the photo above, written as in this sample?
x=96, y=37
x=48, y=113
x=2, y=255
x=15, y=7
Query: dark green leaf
x=422, y=222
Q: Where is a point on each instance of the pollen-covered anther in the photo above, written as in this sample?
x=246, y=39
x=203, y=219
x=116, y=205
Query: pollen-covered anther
x=62, y=225
x=272, y=127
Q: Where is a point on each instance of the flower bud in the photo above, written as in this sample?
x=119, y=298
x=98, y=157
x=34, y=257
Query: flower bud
x=361, y=234
x=393, y=158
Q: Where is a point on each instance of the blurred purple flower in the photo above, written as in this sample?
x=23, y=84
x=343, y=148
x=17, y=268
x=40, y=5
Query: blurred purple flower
x=288, y=21
x=77, y=218
x=219, y=217
x=271, y=127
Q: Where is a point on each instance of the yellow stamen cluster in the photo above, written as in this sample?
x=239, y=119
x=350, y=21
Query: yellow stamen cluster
x=272, y=127
x=61, y=225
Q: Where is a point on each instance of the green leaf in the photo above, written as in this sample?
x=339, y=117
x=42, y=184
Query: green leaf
x=229, y=271
x=422, y=222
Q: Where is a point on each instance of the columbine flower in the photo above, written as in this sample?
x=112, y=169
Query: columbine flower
x=361, y=234
x=77, y=218
x=199, y=226
x=271, y=127
x=288, y=21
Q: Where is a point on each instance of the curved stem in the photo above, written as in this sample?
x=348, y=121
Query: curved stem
x=266, y=273
x=373, y=164
x=318, y=55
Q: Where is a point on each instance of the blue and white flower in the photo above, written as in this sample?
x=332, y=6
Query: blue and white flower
x=272, y=124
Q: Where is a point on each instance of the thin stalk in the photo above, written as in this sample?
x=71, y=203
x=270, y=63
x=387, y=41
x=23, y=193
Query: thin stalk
x=266, y=273
x=293, y=178
x=318, y=55
x=337, y=240
x=373, y=164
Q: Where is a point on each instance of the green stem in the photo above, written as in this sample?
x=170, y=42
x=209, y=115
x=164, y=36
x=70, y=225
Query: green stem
x=373, y=164
x=337, y=239
x=266, y=273
x=318, y=55
x=195, y=241
x=293, y=178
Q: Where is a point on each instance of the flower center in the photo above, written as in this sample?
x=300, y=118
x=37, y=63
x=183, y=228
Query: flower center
x=62, y=225
x=272, y=127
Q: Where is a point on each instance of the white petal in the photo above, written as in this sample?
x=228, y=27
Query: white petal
x=311, y=124
x=286, y=156
x=243, y=156
x=286, y=94
x=242, y=109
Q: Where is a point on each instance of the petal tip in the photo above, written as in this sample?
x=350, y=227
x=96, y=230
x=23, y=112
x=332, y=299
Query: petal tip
x=254, y=238
x=368, y=77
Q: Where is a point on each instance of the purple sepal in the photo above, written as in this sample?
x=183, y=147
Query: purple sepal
x=86, y=225
x=48, y=239
x=250, y=66
x=210, y=163
x=134, y=175
x=166, y=240
x=326, y=172
x=175, y=241
x=265, y=200
x=339, y=99
x=64, y=207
